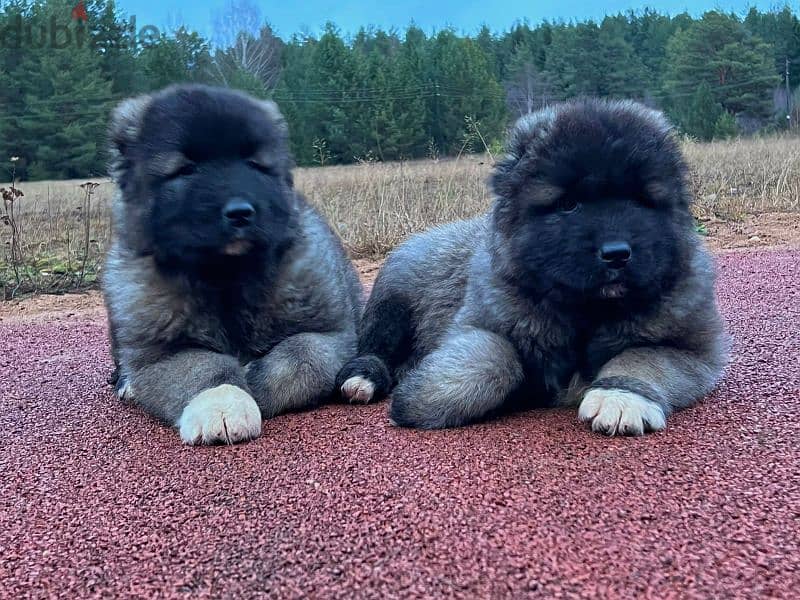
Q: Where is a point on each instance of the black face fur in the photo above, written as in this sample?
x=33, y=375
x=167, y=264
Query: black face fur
x=593, y=205
x=210, y=171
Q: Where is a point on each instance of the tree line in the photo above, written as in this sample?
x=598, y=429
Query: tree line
x=385, y=95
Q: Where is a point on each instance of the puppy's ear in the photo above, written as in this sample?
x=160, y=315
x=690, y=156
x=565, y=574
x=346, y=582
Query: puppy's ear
x=515, y=173
x=275, y=116
x=126, y=121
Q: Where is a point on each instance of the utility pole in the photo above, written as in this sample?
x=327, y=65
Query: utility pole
x=788, y=98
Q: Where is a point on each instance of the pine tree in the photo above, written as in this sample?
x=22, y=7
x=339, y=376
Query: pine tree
x=12, y=54
x=387, y=98
x=373, y=55
x=528, y=88
x=718, y=51
x=114, y=41
x=294, y=99
x=65, y=100
x=781, y=30
x=702, y=114
x=408, y=106
x=183, y=57
x=465, y=92
x=333, y=105
x=590, y=60
x=725, y=127
x=378, y=95
x=648, y=33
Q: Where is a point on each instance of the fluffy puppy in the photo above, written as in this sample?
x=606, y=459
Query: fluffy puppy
x=229, y=297
x=585, y=283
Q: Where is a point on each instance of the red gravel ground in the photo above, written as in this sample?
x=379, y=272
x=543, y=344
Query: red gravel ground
x=97, y=499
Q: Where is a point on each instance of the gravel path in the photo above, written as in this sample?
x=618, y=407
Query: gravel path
x=97, y=499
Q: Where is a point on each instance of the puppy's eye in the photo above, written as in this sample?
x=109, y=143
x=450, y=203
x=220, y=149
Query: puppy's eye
x=185, y=170
x=567, y=205
x=262, y=168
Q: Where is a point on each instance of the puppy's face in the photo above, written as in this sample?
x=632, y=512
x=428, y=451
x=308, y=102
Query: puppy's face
x=206, y=172
x=593, y=203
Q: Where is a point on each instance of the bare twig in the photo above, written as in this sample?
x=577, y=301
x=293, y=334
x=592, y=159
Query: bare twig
x=11, y=196
x=88, y=189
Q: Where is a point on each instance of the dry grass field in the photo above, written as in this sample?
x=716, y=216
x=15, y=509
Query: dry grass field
x=48, y=246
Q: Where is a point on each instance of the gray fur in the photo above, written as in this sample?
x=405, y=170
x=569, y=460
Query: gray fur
x=172, y=336
x=480, y=343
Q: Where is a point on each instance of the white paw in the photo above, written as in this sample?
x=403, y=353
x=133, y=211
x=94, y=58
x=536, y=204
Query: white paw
x=358, y=389
x=620, y=412
x=224, y=414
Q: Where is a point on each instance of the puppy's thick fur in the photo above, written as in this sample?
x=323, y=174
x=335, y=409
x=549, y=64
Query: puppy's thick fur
x=586, y=283
x=229, y=297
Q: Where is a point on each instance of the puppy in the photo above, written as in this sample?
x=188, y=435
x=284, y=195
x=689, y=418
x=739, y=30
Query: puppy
x=229, y=297
x=585, y=284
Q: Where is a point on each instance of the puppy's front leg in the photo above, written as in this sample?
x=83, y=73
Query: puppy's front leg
x=636, y=390
x=473, y=372
x=203, y=394
x=300, y=371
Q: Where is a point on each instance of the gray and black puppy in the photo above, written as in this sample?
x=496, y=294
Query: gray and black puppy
x=229, y=297
x=585, y=283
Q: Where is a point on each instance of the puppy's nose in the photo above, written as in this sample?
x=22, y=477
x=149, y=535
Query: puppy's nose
x=239, y=212
x=615, y=254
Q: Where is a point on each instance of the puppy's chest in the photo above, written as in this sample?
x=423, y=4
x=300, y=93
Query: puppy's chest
x=240, y=326
x=249, y=323
x=552, y=355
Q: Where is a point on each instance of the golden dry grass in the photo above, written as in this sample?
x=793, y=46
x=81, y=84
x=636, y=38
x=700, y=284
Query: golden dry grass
x=733, y=179
x=374, y=206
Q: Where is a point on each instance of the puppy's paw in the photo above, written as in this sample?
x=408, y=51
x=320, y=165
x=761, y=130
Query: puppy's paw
x=124, y=389
x=620, y=412
x=364, y=379
x=225, y=414
x=410, y=407
x=358, y=389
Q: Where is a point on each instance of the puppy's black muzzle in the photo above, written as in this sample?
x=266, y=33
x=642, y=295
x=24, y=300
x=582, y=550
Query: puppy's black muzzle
x=615, y=254
x=239, y=213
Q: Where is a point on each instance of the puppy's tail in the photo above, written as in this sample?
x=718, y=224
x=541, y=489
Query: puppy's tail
x=364, y=379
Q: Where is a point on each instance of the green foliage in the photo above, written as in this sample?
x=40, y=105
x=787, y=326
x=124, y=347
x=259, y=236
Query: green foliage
x=332, y=80
x=725, y=127
x=701, y=114
x=463, y=88
x=592, y=60
x=700, y=228
x=718, y=51
x=113, y=40
x=781, y=30
x=178, y=58
x=243, y=80
x=409, y=108
x=60, y=99
x=387, y=95
x=528, y=86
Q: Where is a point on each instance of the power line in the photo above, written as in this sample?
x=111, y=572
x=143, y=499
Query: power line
x=431, y=89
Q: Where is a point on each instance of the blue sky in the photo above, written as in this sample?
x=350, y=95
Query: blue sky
x=293, y=16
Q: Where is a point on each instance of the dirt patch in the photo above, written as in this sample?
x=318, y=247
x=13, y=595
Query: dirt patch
x=769, y=230
x=49, y=307
x=367, y=269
